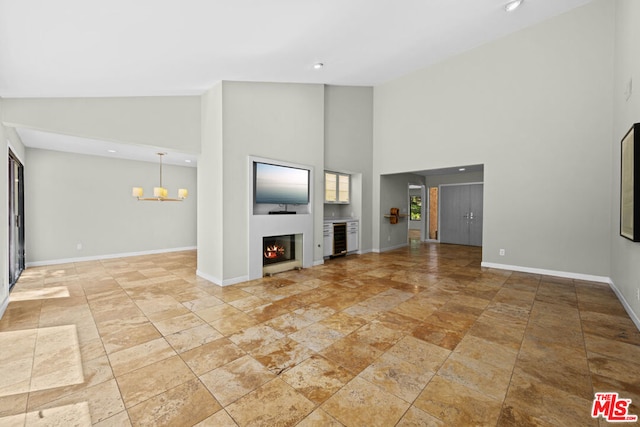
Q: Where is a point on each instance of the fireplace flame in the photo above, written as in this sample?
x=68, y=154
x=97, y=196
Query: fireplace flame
x=273, y=251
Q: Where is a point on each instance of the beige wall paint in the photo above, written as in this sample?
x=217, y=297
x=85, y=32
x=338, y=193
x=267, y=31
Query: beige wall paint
x=625, y=255
x=164, y=122
x=536, y=109
x=72, y=198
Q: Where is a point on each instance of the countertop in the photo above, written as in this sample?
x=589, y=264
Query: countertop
x=332, y=220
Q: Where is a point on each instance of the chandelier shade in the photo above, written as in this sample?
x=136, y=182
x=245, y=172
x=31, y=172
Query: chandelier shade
x=160, y=194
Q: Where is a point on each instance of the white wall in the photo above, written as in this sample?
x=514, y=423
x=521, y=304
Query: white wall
x=348, y=143
x=625, y=255
x=72, y=198
x=283, y=122
x=536, y=109
x=394, y=193
x=171, y=122
x=210, y=166
x=456, y=178
x=4, y=217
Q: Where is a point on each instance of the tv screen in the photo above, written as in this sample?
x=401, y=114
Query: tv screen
x=282, y=185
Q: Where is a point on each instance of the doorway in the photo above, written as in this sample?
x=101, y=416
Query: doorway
x=433, y=214
x=461, y=214
x=416, y=209
x=16, y=219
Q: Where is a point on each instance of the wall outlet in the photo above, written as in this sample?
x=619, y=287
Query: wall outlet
x=79, y=246
x=501, y=252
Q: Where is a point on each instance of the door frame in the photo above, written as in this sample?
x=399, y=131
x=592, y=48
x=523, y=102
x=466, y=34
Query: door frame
x=20, y=238
x=423, y=210
x=428, y=213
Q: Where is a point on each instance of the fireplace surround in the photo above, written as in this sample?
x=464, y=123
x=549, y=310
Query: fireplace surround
x=301, y=224
x=281, y=253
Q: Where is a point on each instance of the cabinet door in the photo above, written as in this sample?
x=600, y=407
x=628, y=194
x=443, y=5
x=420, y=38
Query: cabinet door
x=352, y=236
x=327, y=242
x=330, y=187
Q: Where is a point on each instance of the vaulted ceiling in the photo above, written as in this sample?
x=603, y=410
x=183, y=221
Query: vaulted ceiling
x=84, y=48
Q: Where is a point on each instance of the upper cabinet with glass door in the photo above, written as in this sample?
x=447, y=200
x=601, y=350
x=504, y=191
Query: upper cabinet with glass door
x=337, y=187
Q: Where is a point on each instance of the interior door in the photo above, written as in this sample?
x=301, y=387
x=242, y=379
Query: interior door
x=454, y=211
x=461, y=214
x=475, y=214
x=16, y=219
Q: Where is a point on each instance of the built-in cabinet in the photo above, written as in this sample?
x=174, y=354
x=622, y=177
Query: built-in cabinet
x=337, y=187
x=340, y=236
x=327, y=235
x=352, y=236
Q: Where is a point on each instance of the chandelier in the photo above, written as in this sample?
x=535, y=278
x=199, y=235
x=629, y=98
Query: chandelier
x=160, y=193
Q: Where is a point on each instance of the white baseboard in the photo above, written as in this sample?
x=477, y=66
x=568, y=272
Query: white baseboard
x=229, y=282
x=316, y=263
x=220, y=282
x=586, y=277
x=3, y=306
x=365, y=251
x=566, y=274
x=634, y=317
x=107, y=256
x=212, y=279
x=392, y=248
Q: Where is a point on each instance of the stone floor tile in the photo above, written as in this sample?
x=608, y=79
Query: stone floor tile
x=274, y=403
x=360, y=403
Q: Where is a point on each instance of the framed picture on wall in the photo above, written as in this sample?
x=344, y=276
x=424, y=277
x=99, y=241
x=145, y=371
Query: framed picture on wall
x=629, y=176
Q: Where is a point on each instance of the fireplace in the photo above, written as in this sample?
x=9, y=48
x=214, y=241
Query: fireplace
x=277, y=249
x=281, y=253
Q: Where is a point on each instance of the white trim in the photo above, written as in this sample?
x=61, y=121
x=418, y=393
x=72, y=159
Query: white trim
x=235, y=280
x=218, y=282
x=4, y=306
x=565, y=274
x=108, y=256
x=462, y=183
x=317, y=263
x=579, y=276
x=634, y=317
x=208, y=277
x=15, y=153
x=402, y=245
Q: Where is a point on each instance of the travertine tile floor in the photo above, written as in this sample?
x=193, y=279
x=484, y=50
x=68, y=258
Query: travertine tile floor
x=417, y=336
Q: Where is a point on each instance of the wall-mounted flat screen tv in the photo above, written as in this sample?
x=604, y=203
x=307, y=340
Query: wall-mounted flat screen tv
x=281, y=185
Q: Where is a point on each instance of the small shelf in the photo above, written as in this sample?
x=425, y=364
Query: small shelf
x=395, y=215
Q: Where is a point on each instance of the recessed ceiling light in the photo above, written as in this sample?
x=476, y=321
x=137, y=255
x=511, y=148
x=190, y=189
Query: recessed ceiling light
x=462, y=169
x=512, y=5
x=318, y=65
x=111, y=151
x=188, y=161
